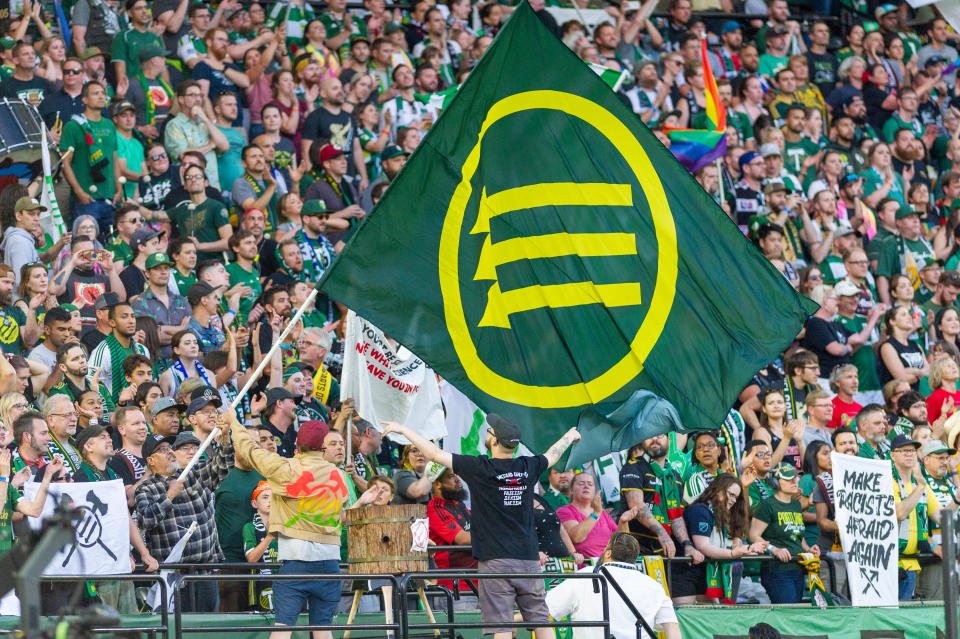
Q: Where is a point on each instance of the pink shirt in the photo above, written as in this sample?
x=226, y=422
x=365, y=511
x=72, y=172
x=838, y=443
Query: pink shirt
x=597, y=540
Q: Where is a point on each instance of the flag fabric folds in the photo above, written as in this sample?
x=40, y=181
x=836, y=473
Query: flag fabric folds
x=696, y=148
x=546, y=255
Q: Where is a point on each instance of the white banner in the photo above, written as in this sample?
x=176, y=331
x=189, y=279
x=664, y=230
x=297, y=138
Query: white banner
x=101, y=544
x=169, y=576
x=388, y=382
x=867, y=519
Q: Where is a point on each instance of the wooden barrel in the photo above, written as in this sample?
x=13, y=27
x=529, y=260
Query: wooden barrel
x=379, y=539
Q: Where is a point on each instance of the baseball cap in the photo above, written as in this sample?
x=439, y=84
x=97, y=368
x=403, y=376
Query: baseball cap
x=106, y=300
x=935, y=446
x=158, y=259
x=315, y=206
x=775, y=31
x=935, y=59
x=91, y=52
x=774, y=186
x=141, y=235
x=274, y=395
x=850, y=99
x=666, y=114
x=153, y=442
x=883, y=10
x=200, y=402
x=902, y=441
x=204, y=391
x=785, y=471
x=164, y=403
x=847, y=178
x=121, y=106
x=185, y=438
x=7, y=43
x=328, y=152
x=730, y=26
x=392, y=27
x=844, y=229
x=905, y=211
x=770, y=148
x=389, y=152
x=844, y=288
x=506, y=432
x=816, y=189
x=261, y=486
x=312, y=433
x=151, y=51
x=198, y=291
x=239, y=9
x=746, y=158
x=949, y=278
x=27, y=203
x=87, y=434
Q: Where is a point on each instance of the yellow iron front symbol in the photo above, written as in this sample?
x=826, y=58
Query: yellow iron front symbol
x=500, y=305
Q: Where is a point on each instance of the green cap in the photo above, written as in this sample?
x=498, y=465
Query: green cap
x=158, y=259
x=69, y=308
x=151, y=51
x=7, y=43
x=392, y=27
x=391, y=151
x=314, y=207
x=785, y=471
x=905, y=211
x=239, y=8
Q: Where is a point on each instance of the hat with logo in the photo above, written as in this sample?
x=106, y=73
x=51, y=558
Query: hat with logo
x=198, y=291
x=87, y=434
x=200, y=403
x=905, y=211
x=312, y=433
x=121, y=106
x=774, y=186
x=151, y=51
x=902, y=441
x=949, y=280
x=730, y=26
x=935, y=59
x=315, y=206
x=91, y=52
x=844, y=229
x=935, y=446
x=158, y=259
x=506, y=432
x=785, y=471
x=847, y=178
x=238, y=9
x=883, y=10
x=775, y=31
x=328, y=152
x=770, y=148
x=389, y=152
x=205, y=392
x=185, y=438
x=153, y=442
x=844, y=288
x=141, y=236
x=164, y=403
x=27, y=203
x=106, y=300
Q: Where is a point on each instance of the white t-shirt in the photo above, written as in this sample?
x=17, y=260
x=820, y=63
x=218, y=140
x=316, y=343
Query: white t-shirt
x=576, y=598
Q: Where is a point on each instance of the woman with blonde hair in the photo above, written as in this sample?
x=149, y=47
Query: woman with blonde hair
x=12, y=406
x=53, y=51
x=33, y=300
x=943, y=377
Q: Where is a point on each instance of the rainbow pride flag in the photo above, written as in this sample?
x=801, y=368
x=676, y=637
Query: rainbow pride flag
x=695, y=148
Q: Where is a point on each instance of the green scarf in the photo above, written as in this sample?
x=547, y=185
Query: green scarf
x=97, y=159
x=151, y=107
x=723, y=577
x=117, y=354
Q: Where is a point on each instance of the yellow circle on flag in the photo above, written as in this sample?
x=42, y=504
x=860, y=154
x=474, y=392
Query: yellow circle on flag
x=631, y=363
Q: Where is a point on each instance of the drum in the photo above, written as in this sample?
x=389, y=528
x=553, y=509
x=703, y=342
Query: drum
x=379, y=539
x=20, y=132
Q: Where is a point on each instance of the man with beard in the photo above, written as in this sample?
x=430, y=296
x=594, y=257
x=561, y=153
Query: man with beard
x=856, y=108
x=449, y=520
x=843, y=131
x=823, y=64
x=851, y=194
x=404, y=110
x=677, y=24
x=79, y=284
x=910, y=248
x=336, y=190
x=108, y=357
x=731, y=35
x=907, y=152
x=62, y=423
x=747, y=195
x=651, y=486
x=56, y=332
x=214, y=74
x=193, y=130
x=203, y=218
x=331, y=123
x=940, y=472
x=392, y=159
x=358, y=60
x=557, y=491
x=256, y=188
x=169, y=310
x=244, y=269
x=871, y=429
x=775, y=195
x=450, y=52
x=11, y=317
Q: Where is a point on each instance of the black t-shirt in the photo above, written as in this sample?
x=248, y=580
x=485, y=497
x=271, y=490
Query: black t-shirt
x=129, y=470
x=286, y=442
x=180, y=196
x=133, y=280
x=86, y=287
x=339, y=130
x=819, y=334
x=823, y=71
x=91, y=338
x=637, y=474
x=31, y=91
x=873, y=97
x=919, y=171
x=502, y=517
x=155, y=190
x=548, y=529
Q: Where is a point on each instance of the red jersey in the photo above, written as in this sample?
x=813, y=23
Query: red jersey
x=447, y=518
x=843, y=413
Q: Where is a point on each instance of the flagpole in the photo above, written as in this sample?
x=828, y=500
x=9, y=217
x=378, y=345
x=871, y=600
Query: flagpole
x=720, y=179
x=253, y=378
x=349, y=434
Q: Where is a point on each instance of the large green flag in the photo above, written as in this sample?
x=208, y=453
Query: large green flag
x=545, y=254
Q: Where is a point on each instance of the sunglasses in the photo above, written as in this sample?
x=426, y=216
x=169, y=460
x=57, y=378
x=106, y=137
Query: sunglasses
x=158, y=156
x=72, y=71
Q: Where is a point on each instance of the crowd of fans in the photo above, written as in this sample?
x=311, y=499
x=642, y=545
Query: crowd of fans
x=215, y=158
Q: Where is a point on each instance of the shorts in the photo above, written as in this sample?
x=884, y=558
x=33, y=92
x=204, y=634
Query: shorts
x=687, y=580
x=321, y=595
x=499, y=596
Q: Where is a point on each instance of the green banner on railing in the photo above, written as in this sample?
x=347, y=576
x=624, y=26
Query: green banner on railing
x=733, y=622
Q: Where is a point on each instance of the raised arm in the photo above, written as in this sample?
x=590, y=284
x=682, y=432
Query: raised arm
x=555, y=452
x=430, y=450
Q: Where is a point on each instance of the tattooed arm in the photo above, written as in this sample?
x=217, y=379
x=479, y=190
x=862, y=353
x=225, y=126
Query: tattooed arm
x=646, y=518
x=556, y=451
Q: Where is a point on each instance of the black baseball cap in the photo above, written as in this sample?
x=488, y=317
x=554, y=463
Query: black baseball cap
x=274, y=395
x=87, y=434
x=198, y=291
x=506, y=432
x=106, y=300
x=153, y=442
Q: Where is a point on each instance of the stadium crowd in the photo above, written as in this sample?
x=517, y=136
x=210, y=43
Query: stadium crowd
x=215, y=158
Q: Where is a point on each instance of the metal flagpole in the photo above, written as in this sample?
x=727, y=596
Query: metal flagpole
x=253, y=378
